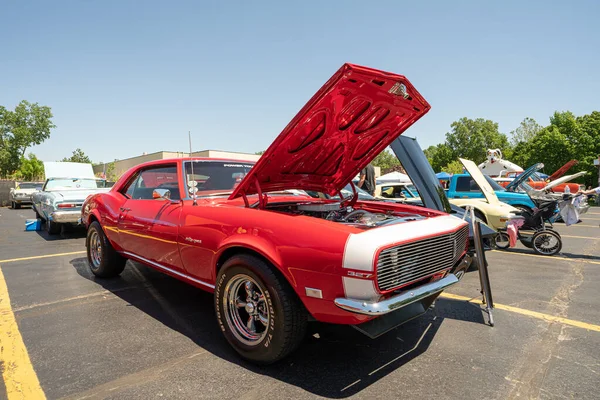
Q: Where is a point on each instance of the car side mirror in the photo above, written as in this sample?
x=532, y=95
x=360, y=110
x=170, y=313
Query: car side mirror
x=161, y=194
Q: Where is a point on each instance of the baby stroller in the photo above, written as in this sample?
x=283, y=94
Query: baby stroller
x=531, y=228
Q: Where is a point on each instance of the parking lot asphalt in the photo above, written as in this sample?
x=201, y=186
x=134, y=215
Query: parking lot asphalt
x=146, y=335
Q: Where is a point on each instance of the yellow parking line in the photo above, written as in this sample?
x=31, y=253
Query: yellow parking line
x=549, y=258
x=529, y=313
x=20, y=379
x=44, y=256
x=581, y=237
x=587, y=226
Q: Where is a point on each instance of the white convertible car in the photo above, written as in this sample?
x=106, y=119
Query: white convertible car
x=66, y=188
x=21, y=194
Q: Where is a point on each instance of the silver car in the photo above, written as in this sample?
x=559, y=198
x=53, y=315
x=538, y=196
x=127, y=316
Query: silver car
x=66, y=188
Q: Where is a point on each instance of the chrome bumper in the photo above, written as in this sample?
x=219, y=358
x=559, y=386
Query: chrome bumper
x=404, y=298
x=66, y=217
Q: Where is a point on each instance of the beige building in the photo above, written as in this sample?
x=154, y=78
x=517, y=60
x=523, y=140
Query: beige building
x=123, y=165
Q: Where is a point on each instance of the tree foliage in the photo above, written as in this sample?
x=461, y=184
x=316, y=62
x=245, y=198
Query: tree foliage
x=29, y=124
x=32, y=169
x=387, y=161
x=78, y=156
x=455, y=167
x=526, y=131
x=470, y=138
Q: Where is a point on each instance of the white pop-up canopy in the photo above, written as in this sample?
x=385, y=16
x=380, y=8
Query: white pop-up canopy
x=394, y=177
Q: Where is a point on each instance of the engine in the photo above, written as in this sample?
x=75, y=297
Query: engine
x=336, y=212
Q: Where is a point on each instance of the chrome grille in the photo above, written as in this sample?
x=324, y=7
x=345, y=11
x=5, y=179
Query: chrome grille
x=406, y=263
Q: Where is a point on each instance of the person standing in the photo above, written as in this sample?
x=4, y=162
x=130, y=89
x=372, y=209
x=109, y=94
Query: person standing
x=367, y=179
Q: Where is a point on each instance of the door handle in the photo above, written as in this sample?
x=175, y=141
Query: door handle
x=123, y=209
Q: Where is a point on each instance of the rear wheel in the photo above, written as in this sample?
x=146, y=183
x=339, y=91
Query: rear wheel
x=103, y=259
x=547, y=242
x=258, y=312
x=53, y=228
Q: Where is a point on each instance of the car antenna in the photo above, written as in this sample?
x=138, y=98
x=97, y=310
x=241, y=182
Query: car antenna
x=194, y=202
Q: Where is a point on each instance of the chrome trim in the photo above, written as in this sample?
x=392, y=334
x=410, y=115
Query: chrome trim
x=157, y=265
x=64, y=217
x=398, y=301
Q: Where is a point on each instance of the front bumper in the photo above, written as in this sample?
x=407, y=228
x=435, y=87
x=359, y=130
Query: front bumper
x=66, y=217
x=405, y=298
x=22, y=200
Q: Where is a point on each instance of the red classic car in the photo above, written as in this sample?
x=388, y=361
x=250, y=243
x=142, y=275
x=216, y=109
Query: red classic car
x=275, y=257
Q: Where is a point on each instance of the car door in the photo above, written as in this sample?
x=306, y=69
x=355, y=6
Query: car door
x=148, y=226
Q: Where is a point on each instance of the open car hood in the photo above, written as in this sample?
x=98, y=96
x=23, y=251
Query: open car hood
x=478, y=177
x=62, y=169
x=416, y=165
x=344, y=126
x=564, y=179
x=562, y=170
x=512, y=187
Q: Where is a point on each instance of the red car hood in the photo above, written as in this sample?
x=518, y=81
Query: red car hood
x=343, y=127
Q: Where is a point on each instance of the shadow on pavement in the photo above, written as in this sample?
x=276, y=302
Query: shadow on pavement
x=334, y=361
x=67, y=232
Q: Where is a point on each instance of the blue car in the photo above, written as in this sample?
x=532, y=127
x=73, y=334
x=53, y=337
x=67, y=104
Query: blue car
x=462, y=186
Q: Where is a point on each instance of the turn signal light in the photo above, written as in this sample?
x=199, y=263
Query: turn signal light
x=66, y=205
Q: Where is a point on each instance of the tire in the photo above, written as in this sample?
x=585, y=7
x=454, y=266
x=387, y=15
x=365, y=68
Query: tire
x=501, y=240
x=17, y=206
x=53, y=228
x=279, y=319
x=546, y=243
x=103, y=259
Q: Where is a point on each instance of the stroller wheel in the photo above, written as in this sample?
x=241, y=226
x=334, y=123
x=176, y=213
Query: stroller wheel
x=501, y=240
x=547, y=243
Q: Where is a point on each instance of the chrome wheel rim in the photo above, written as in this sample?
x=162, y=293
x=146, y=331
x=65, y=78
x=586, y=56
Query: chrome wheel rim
x=246, y=310
x=546, y=243
x=95, y=249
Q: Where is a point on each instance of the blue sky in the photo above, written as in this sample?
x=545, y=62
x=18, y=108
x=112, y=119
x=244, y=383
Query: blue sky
x=126, y=77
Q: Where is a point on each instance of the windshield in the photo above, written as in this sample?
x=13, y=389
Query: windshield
x=29, y=185
x=212, y=178
x=72, y=184
x=494, y=184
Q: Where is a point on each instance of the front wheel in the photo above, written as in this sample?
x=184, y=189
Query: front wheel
x=547, y=242
x=258, y=312
x=502, y=241
x=103, y=259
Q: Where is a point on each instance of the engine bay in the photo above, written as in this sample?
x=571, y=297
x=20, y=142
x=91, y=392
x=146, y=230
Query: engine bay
x=349, y=215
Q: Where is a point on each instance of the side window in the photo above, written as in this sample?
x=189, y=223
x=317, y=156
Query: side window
x=463, y=184
x=473, y=186
x=164, y=177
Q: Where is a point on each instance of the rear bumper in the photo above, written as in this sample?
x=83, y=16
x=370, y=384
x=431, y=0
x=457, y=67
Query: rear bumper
x=405, y=298
x=66, y=217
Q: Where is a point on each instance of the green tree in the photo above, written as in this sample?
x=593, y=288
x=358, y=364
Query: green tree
x=526, y=131
x=470, y=138
x=455, y=167
x=29, y=124
x=386, y=161
x=260, y=153
x=31, y=169
x=439, y=156
x=551, y=147
x=78, y=156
